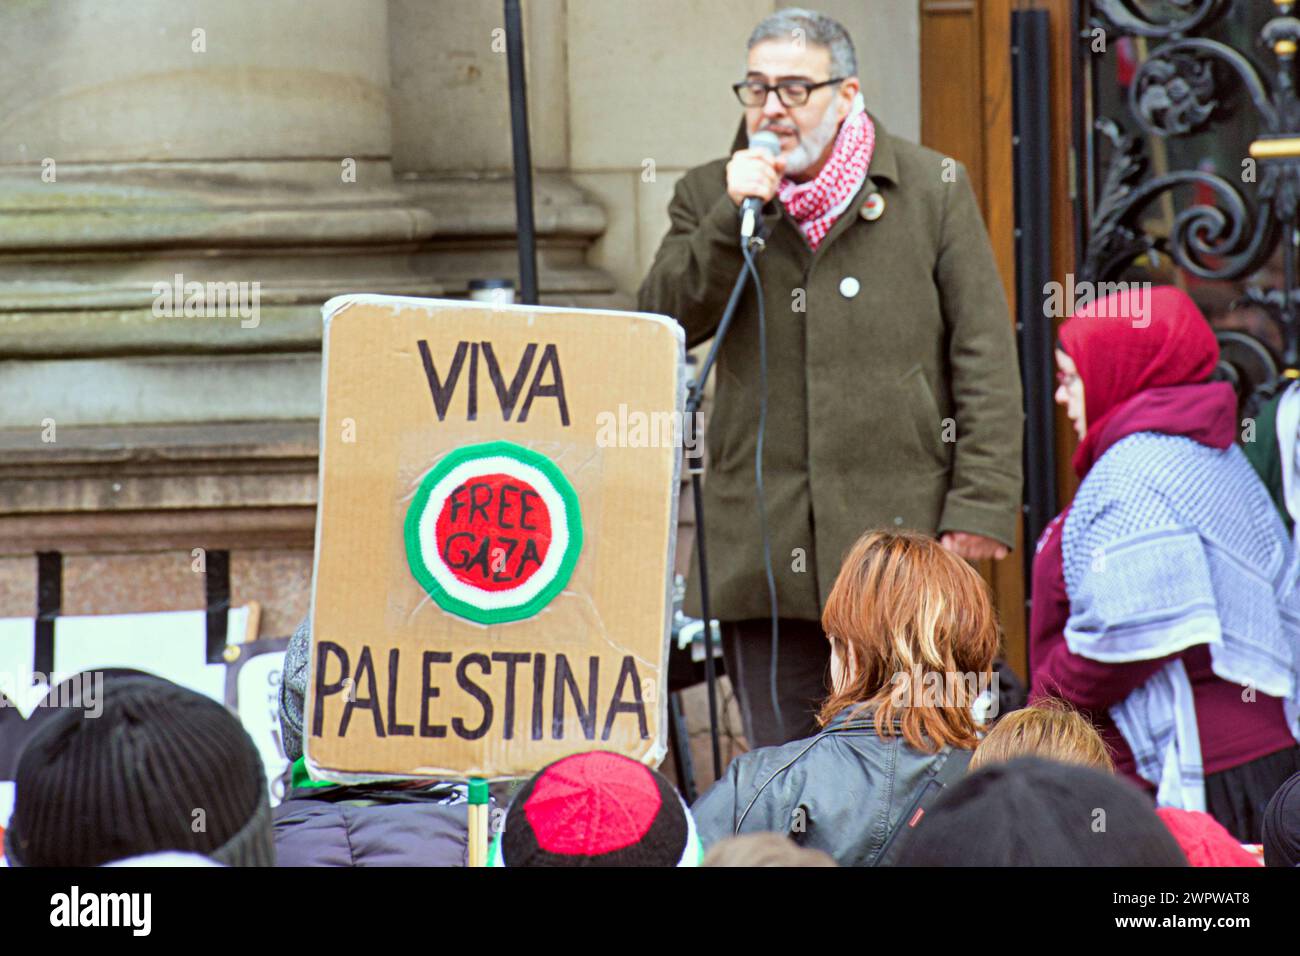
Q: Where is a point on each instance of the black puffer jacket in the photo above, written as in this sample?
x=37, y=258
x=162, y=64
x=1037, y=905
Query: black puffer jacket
x=844, y=790
x=372, y=826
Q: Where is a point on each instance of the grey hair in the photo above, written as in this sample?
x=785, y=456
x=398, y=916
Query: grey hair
x=813, y=27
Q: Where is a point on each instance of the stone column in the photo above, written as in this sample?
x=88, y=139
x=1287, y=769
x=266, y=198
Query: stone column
x=240, y=142
x=237, y=142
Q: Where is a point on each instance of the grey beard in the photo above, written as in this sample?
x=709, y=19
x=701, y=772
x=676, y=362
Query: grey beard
x=810, y=147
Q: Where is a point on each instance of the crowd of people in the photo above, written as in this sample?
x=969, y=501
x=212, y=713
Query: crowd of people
x=1162, y=717
x=1161, y=725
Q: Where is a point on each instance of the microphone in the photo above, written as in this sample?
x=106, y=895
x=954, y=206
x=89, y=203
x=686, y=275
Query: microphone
x=770, y=143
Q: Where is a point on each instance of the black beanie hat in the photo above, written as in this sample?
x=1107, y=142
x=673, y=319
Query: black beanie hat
x=1035, y=812
x=1281, y=825
x=161, y=768
x=15, y=731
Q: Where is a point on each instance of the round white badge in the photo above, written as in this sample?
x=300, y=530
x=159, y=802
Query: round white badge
x=849, y=287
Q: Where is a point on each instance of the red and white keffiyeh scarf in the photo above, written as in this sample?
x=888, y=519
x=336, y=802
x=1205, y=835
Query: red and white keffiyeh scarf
x=816, y=204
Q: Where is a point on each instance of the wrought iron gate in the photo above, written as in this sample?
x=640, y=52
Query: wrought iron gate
x=1188, y=165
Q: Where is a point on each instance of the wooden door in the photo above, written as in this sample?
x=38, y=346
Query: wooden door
x=966, y=112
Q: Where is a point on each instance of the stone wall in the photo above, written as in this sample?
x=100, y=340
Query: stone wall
x=362, y=147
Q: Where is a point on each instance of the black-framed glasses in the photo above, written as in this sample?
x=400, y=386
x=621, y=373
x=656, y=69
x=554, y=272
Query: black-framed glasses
x=789, y=92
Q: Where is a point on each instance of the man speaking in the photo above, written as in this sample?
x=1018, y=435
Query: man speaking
x=893, y=394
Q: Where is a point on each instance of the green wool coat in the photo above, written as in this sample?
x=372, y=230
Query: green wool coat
x=893, y=386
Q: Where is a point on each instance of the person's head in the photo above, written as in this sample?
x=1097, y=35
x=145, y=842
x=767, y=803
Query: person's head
x=159, y=768
x=800, y=51
x=1035, y=812
x=913, y=635
x=764, y=849
x=1050, y=729
x=597, y=809
x=1120, y=344
x=83, y=690
x=1281, y=825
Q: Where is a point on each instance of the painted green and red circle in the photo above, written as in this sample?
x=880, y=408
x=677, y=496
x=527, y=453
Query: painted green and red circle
x=494, y=532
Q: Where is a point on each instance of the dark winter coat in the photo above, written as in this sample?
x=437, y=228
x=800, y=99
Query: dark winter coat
x=893, y=387
x=360, y=826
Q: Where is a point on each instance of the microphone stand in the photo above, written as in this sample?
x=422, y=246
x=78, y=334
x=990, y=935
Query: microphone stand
x=694, y=399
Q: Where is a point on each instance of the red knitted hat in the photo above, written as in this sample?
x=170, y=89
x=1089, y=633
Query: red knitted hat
x=1203, y=839
x=597, y=809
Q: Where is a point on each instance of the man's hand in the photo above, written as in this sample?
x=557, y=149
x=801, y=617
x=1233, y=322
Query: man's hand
x=973, y=547
x=753, y=172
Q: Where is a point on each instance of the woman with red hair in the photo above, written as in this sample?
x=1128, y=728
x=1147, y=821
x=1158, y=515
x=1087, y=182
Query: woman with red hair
x=913, y=634
x=1165, y=601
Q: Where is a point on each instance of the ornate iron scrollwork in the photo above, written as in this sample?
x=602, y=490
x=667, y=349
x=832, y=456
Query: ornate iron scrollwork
x=1175, y=94
x=1116, y=239
x=1126, y=16
x=1183, y=88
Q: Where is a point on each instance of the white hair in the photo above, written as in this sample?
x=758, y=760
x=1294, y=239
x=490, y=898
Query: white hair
x=812, y=27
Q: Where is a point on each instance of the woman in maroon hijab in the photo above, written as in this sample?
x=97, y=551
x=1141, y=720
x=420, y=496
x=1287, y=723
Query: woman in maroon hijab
x=1164, y=598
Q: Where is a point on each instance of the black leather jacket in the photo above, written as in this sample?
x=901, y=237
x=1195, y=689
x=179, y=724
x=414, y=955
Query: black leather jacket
x=843, y=791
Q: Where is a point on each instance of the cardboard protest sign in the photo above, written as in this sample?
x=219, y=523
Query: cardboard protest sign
x=492, y=587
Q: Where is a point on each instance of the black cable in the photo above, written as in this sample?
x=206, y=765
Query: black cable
x=748, y=252
x=693, y=402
